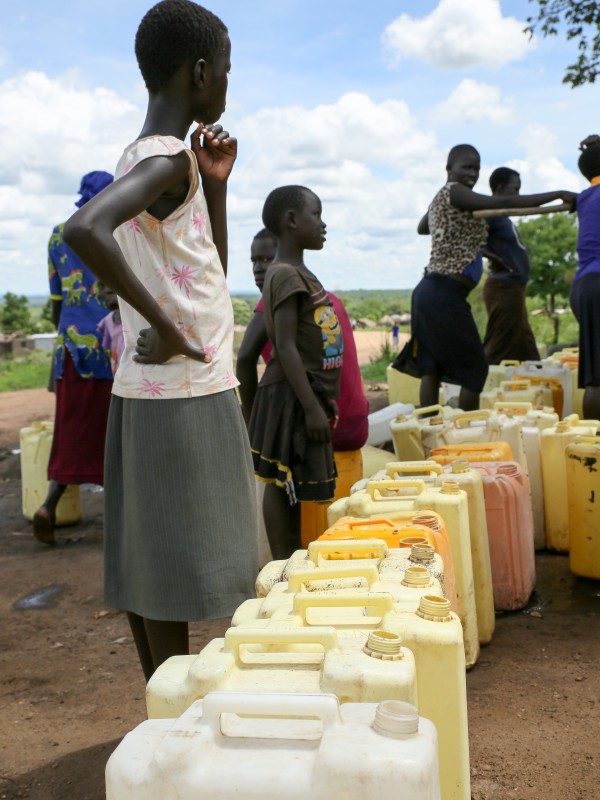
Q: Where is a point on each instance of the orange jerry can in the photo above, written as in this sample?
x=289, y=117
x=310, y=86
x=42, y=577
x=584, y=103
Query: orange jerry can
x=472, y=452
x=510, y=531
x=349, y=467
x=417, y=528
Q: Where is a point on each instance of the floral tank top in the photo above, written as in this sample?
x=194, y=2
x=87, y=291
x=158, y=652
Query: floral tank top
x=177, y=261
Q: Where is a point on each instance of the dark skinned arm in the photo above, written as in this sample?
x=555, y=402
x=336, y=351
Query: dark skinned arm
x=423, y=226
x=464, y=198
x=252, y=346
x=89, y=233
x=286, y=326
x=215, y=153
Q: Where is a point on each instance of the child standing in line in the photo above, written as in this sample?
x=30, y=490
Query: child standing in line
x=585, y=289
x=110, y=327
x=178, y=464
x=295, y=404
x=448, y=346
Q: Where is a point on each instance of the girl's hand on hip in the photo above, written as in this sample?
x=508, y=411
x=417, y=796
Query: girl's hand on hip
x=155, y=348
x=215, y=152
x=317, y=424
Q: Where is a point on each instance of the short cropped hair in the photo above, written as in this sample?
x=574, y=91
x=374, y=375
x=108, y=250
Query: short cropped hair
x=501, y=176
x=280, y=200
x=459, y=150
x=171, y=33
x=589, y=160
x=266, y=234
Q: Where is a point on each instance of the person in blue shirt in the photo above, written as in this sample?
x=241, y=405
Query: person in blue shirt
x=585, y=289
x=508, y=334
x=82, y=371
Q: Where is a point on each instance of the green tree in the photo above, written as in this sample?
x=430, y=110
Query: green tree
x=581, y=21
x=15, y=314
x=242, y=312
x=551, y=242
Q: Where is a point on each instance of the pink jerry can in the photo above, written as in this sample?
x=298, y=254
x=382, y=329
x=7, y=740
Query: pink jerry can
x=510, y=531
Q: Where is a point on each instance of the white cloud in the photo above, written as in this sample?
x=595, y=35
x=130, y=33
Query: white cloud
x=541, y=169
x=63, y=132
x=458, y=34
x=473, y=101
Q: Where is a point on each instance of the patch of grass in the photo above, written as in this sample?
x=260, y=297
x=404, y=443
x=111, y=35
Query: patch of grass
x=376, y=370
x=31, y=372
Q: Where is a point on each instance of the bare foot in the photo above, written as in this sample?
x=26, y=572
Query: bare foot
x=43, y=526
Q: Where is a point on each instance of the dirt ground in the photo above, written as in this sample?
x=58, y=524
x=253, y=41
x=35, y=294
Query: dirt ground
x=70, y=685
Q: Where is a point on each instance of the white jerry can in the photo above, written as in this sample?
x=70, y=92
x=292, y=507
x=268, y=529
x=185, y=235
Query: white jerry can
x=269, y=746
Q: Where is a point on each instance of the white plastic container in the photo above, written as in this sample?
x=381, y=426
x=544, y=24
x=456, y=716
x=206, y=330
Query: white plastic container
x=272, y=746
x=365, y=668
x=408, y=430
x=549, y=369
x=379, y=422
x=36, y=442
x=517, y=390
x=498, y=373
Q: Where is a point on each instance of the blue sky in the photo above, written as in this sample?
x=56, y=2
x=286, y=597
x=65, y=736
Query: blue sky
x=360, y=102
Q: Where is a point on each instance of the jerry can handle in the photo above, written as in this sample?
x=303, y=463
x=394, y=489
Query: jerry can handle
x=463, y=420
x=371, y=548
x=516, y=385
x=375, y=488
x=412, y=467
x=510, y=362
x=516, y=407
x=353, y=523
x=304, y=601
x=418, y=412
x=325, y=635
x=325, y=707
x=338, y=570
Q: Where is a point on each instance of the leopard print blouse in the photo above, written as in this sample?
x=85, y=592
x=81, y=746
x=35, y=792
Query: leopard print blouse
x=456, y=237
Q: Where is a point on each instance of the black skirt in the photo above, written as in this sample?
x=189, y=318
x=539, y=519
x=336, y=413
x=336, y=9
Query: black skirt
x=585, y=302
x=281, y=451
x=447, y=340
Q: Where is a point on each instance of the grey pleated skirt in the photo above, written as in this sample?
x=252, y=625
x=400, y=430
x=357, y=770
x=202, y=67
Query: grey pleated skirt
x=180, y=538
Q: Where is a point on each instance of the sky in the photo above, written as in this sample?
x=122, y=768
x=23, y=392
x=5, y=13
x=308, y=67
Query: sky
x=359, y=102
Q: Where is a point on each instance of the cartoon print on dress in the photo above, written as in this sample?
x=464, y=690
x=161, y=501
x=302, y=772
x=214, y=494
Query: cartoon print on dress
x=333, y=343
x=88, y=341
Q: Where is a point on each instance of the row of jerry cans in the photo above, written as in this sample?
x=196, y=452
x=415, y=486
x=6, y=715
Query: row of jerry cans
x=384, y=654
x=545, y=382
x=501, y=529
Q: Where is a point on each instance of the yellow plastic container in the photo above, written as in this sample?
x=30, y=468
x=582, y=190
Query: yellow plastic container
x=374, y=458
x=405, y=587
x=471, y=481
x=35, y=442
x=314, y=515
x=408, y=431
x=558, y=395
x=389, y=498
x=402, y=388
x=554, y=475
x=498, y=373
x=583, y=493
x=477, y=451
x=284, y=660
x=518, y=391
x=434, y=635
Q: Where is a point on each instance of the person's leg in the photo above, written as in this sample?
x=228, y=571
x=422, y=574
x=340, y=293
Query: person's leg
x=166, y=639
x=277, y=514
x=468, y=400
x=429, y=393
x=591, y=402
x=140, y=638
x=44, y=518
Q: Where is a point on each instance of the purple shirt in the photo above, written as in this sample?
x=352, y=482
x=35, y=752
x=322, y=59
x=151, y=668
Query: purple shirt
x=588, y=237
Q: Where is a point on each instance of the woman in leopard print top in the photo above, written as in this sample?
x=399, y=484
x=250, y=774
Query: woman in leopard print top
x=444, y=335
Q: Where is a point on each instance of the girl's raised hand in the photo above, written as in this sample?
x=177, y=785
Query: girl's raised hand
x=215, y=151
x=154, y=348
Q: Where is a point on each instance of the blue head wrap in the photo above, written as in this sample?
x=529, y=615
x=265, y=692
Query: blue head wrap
x=91, y=184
